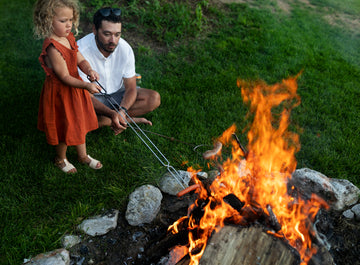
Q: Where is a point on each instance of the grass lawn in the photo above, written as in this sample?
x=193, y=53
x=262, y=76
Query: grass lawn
x=192, y=52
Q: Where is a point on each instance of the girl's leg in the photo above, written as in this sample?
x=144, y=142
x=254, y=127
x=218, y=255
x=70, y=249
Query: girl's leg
x=60, y=150
x=84, y=158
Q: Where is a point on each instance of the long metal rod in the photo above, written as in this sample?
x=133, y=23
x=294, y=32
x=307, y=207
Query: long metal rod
x=143, y=137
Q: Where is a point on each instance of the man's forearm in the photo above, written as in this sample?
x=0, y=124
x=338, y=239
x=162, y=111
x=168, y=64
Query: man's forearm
x=100, y=108
x=128, y=99
x=130, y=94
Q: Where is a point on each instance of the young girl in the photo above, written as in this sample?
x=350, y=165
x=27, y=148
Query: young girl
x=66, y=112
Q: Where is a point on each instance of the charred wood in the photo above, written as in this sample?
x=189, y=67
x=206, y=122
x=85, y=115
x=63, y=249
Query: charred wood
x=161, y=248
x=234, y=202
x=272, y=219
x=243, y=149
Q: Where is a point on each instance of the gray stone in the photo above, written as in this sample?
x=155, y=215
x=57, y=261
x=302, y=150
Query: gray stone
x=213, y=174
x=100, y=224
x=348, y=214
x=171, y=185
x=346, y=193
x=338, y=193
x=356, y=210
x=202, y=175
x=58, y=257
x=68, y=241
x=307, y=182
x=144, y=204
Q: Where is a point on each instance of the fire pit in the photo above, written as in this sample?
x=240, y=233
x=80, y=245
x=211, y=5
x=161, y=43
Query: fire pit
x=252, y=186
x=247, y=211
x=151, y=243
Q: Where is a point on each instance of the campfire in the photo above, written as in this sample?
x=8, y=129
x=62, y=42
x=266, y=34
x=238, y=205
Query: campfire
x=252, y=186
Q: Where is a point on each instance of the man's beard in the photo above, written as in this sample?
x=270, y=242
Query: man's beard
x=103, y=46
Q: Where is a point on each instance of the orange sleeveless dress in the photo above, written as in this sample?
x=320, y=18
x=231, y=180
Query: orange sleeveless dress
x=66, y=114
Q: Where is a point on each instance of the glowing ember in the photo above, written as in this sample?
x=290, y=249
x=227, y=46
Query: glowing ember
x=258, y=178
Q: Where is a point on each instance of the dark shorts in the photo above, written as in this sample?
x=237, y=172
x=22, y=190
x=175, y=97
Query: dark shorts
x=115, y=99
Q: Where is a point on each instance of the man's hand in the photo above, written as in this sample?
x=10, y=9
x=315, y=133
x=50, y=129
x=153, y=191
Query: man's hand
x=122, y=118
x=118, y=124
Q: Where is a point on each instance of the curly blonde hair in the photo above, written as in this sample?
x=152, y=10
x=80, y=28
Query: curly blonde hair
x=44, y=12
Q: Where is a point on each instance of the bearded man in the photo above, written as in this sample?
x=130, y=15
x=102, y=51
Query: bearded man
x=113, y=58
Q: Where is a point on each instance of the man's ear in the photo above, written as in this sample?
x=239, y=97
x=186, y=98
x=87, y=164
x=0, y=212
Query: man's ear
x=93, y=29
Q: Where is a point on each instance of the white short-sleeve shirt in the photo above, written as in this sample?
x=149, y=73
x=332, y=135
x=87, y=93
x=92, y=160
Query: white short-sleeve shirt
x=120, y=64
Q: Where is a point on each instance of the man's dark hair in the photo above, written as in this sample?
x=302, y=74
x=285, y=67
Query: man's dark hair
x=112, y=17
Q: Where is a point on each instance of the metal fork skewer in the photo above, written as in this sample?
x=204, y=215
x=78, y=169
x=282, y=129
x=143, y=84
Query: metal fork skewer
x=143, y=137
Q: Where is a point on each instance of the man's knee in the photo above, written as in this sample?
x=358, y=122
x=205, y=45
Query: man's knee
x=151, y=99
x=155, y=100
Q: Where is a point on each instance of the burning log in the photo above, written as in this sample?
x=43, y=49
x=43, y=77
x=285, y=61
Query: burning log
x=234, y=202
x=156, y=251
x=161, y=248
x=253, y=212
x=234, y=245
x=273, y=221
x=247, y=246
x=250, y=213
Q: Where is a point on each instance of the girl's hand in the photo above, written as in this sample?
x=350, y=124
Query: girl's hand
x=92, y=88
x=93, y=75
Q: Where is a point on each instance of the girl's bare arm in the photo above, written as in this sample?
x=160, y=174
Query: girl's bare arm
x=86, y=67
x=60, y=68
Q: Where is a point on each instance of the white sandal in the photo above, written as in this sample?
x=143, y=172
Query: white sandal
x=68, y=166
x=93, y=163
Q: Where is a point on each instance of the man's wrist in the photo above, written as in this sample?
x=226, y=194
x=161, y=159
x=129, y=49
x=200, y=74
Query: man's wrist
x=123, y=109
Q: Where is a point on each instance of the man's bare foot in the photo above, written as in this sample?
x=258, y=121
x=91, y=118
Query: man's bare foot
x=142, y=120
x=136, y=120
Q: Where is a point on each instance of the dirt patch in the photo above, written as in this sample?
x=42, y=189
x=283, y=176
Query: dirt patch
x=350, y=22
x=336, y=18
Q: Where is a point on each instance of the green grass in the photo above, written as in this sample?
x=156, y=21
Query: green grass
x=196, y=77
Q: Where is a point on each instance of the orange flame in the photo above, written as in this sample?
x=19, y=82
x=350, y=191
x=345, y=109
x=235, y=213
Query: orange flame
x=260, y=179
